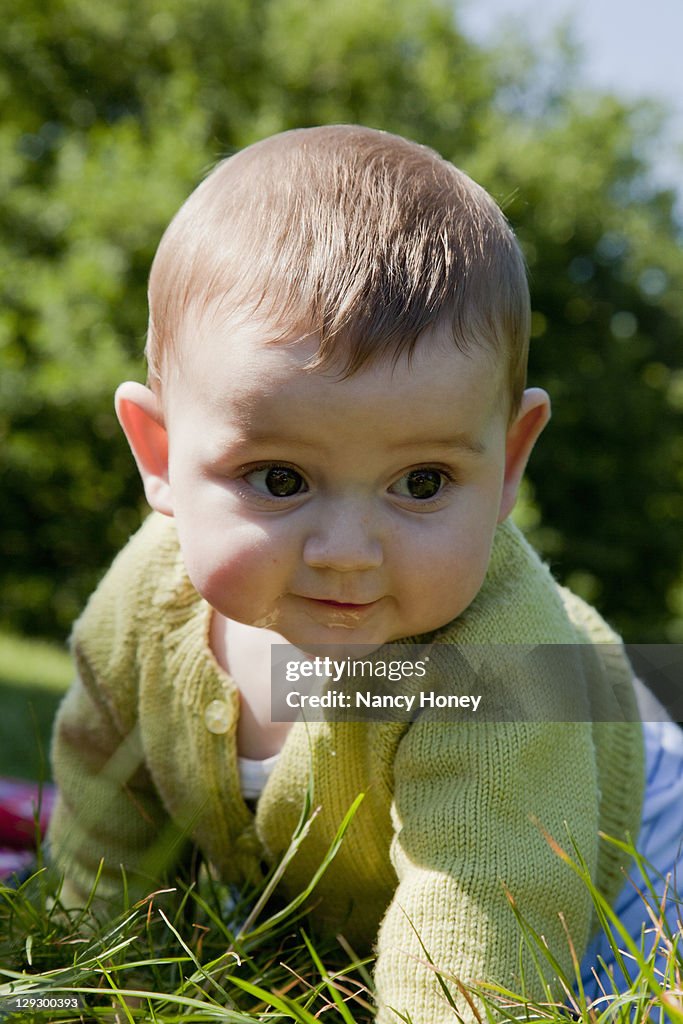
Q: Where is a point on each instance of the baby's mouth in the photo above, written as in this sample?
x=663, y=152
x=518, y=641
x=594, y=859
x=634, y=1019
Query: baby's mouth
x=343, y=606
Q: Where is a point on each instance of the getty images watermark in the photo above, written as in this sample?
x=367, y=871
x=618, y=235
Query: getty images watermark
x=492, y=682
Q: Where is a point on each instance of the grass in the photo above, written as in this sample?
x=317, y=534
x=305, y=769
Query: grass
x=33, y=676
x=203, y=952
x=34, y=663
x=198, y=952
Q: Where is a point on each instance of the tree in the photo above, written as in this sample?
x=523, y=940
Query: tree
x=111, y=116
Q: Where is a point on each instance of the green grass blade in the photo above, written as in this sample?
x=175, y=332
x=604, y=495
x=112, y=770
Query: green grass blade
x=329, y=982
x=287, y=1006
x=301, y=898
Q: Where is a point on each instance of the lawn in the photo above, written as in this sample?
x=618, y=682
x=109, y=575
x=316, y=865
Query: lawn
x=33, y=676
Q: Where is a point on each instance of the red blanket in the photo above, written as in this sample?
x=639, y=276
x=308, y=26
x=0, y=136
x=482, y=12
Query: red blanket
x=24, y=807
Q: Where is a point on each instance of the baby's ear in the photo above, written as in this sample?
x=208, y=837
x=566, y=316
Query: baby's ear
x=140, y=414
x=523, y=432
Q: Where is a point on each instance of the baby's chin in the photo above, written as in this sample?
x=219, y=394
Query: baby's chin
x=336, y=646
x=339, y=651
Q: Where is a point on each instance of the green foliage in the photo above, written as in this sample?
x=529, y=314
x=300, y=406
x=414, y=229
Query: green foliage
x=604, y=257
x=113, y=112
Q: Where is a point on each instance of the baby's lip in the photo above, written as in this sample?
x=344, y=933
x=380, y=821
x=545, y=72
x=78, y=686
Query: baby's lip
x=342, y=605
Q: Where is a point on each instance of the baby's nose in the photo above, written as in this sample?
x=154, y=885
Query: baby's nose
x=344, y=540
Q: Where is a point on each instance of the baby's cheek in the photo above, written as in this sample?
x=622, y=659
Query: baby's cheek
x=240, y=575
x=447, y=576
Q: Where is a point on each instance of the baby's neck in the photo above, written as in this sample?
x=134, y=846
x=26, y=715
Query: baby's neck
x=245, y=654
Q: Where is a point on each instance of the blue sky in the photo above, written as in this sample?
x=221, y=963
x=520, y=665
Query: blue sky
x=634, y=47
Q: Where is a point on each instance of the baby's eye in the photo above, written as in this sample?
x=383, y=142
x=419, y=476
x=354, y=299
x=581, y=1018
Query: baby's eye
x=421, y=484
x=278, y=481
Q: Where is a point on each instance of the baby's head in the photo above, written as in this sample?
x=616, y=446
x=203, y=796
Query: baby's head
x=356, y=236
x=336, y=415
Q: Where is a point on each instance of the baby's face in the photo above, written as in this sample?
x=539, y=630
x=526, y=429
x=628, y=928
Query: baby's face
x=335, y=511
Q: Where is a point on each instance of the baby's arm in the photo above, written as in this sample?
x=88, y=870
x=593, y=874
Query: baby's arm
x=469, y=800
x=106, y=808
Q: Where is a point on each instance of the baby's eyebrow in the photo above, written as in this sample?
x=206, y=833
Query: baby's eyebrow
x=459, y=442
x=462, y=443
x=246, y=437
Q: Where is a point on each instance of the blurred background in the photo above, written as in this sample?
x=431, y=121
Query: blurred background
x=112, y=112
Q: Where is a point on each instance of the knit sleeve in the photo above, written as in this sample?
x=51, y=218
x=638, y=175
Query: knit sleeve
x=106, y=809
x=470, y=804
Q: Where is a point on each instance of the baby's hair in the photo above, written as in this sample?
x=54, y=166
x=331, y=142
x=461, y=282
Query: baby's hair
x=354, y=234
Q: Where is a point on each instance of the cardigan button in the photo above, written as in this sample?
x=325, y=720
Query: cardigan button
x=217, y=717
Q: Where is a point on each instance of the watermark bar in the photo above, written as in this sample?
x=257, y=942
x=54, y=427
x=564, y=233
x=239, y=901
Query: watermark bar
x=477, y=683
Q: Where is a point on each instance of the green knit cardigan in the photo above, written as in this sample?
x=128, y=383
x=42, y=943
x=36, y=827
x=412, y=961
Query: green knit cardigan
x=455, y=818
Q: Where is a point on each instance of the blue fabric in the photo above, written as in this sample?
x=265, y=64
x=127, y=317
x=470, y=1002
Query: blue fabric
x=661, y=843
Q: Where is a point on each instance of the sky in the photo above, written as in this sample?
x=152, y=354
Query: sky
x=634, y=47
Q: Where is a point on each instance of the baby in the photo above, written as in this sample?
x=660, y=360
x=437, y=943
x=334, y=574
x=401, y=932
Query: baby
x=332, y=438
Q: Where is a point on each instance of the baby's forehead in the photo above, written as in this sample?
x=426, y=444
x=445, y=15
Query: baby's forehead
x=250, y=370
